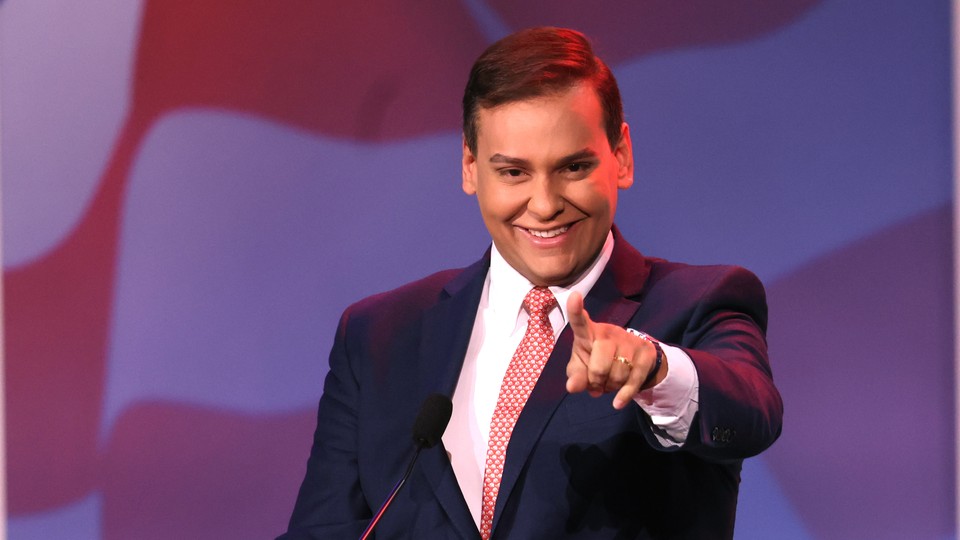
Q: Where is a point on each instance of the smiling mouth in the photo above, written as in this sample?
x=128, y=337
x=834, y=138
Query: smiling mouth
x=549, y=233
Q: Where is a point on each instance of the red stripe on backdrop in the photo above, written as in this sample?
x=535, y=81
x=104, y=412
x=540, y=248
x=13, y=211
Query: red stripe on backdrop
x=56, y=318
x=220, y=458
x=625, y=29
x=380, y=69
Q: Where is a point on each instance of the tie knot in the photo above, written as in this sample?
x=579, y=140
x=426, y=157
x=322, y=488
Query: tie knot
x=539, y=301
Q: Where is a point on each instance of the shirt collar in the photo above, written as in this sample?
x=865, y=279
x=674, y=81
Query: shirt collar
x=508, y=287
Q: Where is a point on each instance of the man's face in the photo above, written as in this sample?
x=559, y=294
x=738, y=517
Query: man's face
x=546, y=181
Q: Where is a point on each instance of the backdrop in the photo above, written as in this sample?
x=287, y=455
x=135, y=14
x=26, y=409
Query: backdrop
x=194, y=190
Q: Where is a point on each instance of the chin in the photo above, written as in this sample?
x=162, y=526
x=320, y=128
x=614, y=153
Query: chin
x=547, y=279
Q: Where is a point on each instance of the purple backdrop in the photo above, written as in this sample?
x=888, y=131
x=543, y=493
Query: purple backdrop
x=193, y=191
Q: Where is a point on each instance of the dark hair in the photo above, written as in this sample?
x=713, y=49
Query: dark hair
x=536, y=62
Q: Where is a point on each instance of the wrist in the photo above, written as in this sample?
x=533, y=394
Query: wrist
x=653, y=377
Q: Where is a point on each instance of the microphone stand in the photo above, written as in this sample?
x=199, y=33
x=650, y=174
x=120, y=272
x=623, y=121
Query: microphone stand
x=427, y=430
x=393, y=493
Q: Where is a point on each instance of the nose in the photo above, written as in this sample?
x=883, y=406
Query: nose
x=546, y=201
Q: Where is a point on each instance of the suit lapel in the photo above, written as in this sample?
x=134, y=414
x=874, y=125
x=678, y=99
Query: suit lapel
x=446, y=330
x=611, y=300
x=445, y=335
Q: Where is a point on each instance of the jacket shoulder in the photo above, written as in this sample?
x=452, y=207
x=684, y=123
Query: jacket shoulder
x=695, y=276
x=416, y=295
x=686, y=287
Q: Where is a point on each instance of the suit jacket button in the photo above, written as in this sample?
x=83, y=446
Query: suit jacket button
x=722, y=436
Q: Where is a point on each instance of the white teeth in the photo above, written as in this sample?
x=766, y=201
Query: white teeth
x=549, y=234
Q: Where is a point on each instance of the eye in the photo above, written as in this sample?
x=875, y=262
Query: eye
x=512, y=173
x=578, y=169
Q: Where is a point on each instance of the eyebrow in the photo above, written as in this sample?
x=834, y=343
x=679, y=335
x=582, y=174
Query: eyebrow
x=586, y=153
x=507, y=160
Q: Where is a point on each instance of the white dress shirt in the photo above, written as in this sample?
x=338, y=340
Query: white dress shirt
x=497, y=331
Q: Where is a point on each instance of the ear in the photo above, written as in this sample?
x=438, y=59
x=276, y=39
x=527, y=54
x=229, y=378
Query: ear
x=624, y=155
x=469, y=170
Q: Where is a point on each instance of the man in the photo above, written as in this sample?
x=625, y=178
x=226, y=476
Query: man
x=570, y=420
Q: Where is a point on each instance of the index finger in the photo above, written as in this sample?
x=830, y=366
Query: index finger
x=580, y=321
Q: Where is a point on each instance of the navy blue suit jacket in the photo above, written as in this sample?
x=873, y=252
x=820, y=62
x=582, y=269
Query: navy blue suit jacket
x=575, y=466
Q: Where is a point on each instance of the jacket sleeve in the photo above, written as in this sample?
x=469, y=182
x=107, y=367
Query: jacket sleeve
x=718, y=316
x=740, y=409
x=330, y=503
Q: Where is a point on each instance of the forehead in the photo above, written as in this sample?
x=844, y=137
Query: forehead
x=561, y=120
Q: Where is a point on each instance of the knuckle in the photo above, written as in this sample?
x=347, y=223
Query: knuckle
x=597, y=372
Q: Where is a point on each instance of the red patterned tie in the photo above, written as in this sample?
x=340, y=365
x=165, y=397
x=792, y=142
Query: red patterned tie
x=518, y=382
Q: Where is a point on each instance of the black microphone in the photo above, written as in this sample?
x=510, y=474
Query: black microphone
x=427, y=430
x=432, y=420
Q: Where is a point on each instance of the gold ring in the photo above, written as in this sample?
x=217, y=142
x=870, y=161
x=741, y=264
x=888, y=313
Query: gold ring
x=623, y=360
